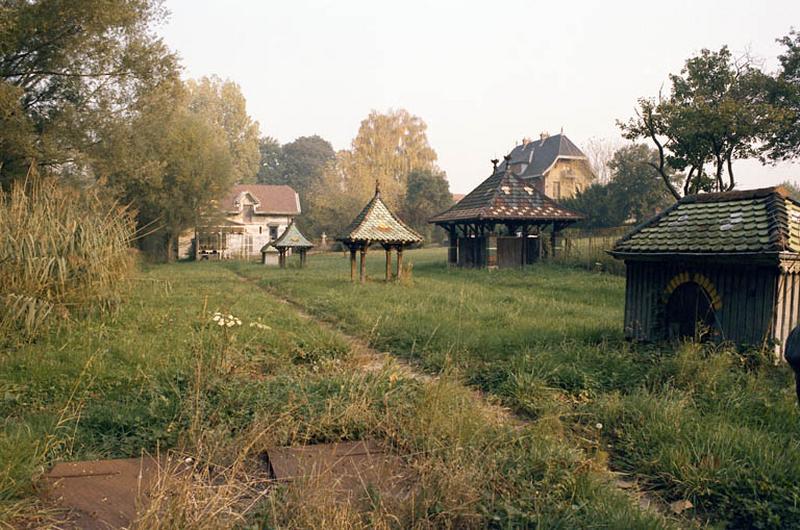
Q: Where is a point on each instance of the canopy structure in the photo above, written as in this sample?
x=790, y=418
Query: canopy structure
x=500, y=222
x=292, y=239
x=377, y=224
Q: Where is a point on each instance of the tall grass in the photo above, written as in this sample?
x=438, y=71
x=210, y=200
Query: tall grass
x=62, y=251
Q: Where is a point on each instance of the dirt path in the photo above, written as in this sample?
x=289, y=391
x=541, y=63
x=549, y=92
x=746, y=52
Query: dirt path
x=372, y=360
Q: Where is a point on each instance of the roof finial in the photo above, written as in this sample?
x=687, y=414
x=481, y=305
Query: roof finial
x=507, y=158
x=377, y=188
x=494, y=162
x=562, y=129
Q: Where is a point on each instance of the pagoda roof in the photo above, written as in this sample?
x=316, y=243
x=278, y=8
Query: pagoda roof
x=504, y=197
x=292, y=238
x=376, y=223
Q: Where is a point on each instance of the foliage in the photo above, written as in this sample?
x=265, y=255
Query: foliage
x=717, y=112
x=387, y=149
x=784, y=143
x=222, y=103
x=171, y=163
x=427, y=194
x=76, y=68
x=633, y=194
x=63, y=252
x=270, y=159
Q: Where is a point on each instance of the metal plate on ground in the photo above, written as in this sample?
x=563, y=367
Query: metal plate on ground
x=100, y=494
x=349, y=471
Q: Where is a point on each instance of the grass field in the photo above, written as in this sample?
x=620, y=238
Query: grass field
x=160, y=375
x=710, y=425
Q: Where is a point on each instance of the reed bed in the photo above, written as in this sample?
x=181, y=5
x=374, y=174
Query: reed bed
x=63, y=251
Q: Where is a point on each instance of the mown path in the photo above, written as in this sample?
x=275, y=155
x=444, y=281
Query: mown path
x=371, y=359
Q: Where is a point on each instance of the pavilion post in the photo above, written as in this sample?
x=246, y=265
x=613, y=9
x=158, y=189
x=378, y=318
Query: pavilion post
x=399, y=262
x=352, y=263
x=363, y=265
x=303, y=257
x=282, y=258
x=554, y=239
x=388, y=249
x=452, y=252
x=491, y=250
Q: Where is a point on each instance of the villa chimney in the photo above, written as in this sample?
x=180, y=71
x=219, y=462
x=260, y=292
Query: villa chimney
x=525, y=141
x=544, y=135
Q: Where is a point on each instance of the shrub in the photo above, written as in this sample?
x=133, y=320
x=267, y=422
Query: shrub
x=62, y=251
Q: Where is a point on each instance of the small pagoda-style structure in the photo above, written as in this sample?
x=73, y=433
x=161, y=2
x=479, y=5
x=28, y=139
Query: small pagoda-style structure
x=377, y=224
x=292, y=239
x=501, y=222
x=718, y=266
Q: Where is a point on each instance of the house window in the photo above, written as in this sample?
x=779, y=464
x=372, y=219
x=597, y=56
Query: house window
x=248, y=213
x=556, y=190
x=273, y=232
x=259, y=229
x=248, y=245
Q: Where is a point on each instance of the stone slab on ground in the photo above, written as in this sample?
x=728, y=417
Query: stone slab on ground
x=100, y=494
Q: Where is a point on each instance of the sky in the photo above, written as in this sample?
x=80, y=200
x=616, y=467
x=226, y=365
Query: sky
x=481, y=74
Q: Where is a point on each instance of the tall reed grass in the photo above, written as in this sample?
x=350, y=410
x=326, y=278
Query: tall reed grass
x=62, y=251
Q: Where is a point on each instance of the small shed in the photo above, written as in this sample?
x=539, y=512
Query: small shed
x=501, y=222
x=377, y=224
x=720, y=266
x=269, y=255
x=292, y=239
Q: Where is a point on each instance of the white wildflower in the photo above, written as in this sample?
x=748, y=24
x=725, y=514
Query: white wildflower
x=599, y=426
x=216, y=318
x=221, y=323
x=230, y=323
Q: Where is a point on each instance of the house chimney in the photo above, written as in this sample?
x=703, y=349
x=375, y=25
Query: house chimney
x=525, y=141
x=544, y=135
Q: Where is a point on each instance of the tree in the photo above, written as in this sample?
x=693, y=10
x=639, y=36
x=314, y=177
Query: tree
x=222, y=102
x=633, y=194
x=172, y=163
x=717, y=112
x=75, y=69
x=427, y=194
x=599, y=151
x=784, y=143
x=270, y=170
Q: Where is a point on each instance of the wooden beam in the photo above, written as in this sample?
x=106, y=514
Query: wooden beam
x=388, y=250
x=399, y=262
x=363, y=265
x=352, y=263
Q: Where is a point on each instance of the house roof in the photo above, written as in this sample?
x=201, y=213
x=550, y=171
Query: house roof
x=761, y=221
x=292, y=238
x=271, y=199
x=376, y=223
x=539, y=155
x=505, y=197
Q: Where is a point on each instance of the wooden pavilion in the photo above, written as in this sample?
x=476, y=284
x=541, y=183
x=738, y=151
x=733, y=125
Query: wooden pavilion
x=377, y=224
x=501, y=223
x=719, y=266
x=292, y=239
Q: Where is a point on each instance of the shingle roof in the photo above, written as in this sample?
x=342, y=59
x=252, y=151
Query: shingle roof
x=377, y=224
x=271, y=198
x=504, y=197
x=762, y=221
x=539, y=155
x=292, y=238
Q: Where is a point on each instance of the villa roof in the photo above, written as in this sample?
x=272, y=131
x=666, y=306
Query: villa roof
x=538, y=156
x=761, y=221
x=376, y=223
x=505, y=197
x=292, y=238
x=272, y=199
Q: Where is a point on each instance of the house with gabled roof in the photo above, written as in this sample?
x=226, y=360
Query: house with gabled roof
x=721, y=266
x=554, y=165
x=251, y=217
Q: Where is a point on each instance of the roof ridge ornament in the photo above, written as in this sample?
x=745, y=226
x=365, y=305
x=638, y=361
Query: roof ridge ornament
x=377, y=188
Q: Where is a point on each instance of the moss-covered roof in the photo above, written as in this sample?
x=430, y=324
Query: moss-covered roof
x=376, y=223
x=292, y=238
x=762, y=221
x=505, y=197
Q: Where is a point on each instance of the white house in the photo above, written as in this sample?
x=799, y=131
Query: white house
x=254, y=215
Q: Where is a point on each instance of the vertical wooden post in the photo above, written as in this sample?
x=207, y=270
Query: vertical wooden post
x=302, y=257
x=388, y=249
x=452, y=252
x=282, y=258
x=554, y=240
x=399, y=262
x=352, y=263
x=363, y=265
x=491, y=250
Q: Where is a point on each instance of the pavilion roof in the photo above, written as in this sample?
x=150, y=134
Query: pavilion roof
x=376, y=223
x=504, y=197
x=292, y=238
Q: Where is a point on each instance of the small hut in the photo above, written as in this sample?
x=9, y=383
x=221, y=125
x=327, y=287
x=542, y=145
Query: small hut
x=292, y=239
x=377, y=224
x=725, y=266
x=501, y=223
x=269, y=255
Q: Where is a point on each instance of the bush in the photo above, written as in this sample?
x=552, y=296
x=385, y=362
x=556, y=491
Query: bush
x=62, y=251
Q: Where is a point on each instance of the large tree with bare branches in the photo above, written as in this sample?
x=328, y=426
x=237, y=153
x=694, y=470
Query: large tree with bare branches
x=717, y=111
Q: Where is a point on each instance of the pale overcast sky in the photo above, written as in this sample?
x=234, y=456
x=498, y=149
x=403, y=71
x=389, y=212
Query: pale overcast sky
x=482, y=74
